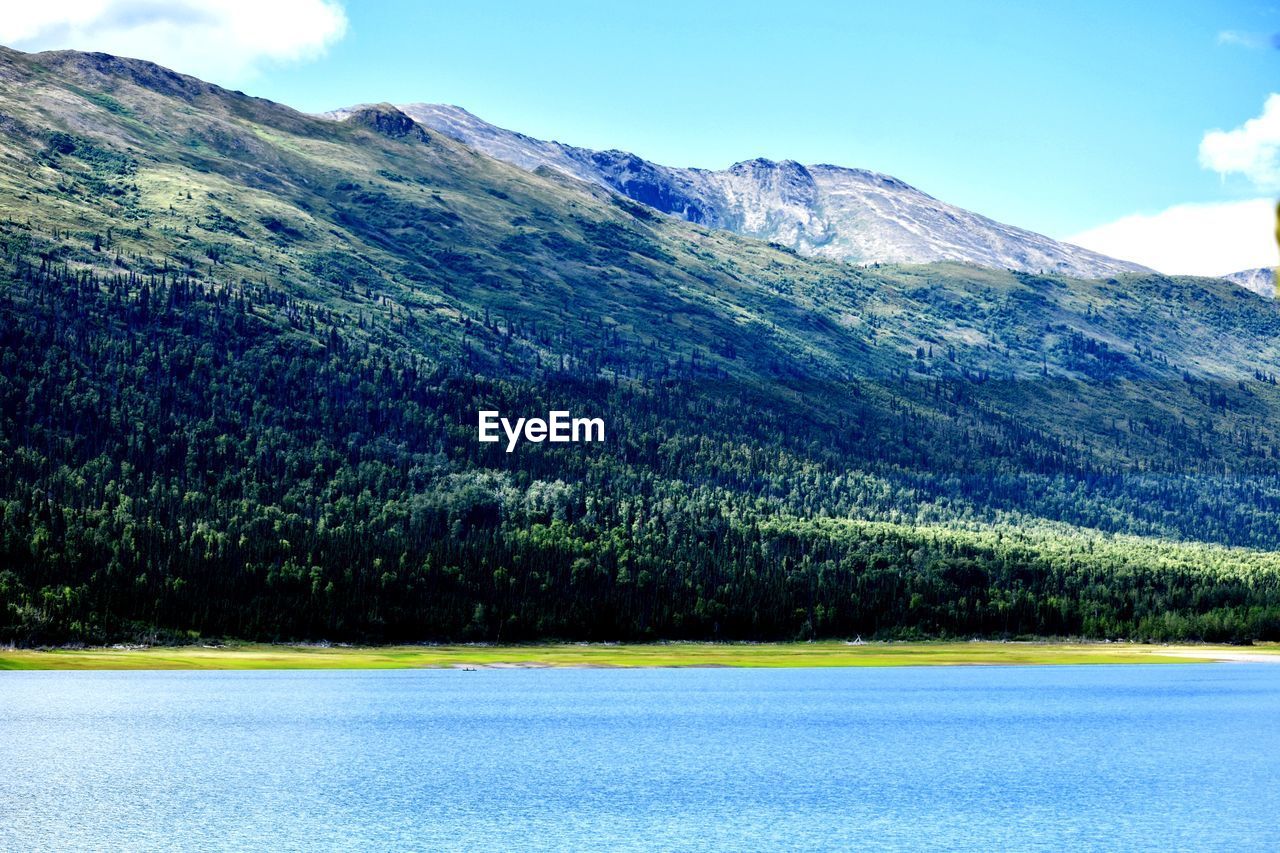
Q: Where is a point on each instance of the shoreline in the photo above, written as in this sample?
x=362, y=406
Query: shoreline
x=833, y=653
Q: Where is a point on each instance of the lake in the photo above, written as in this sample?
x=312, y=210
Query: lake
x=1069, y=757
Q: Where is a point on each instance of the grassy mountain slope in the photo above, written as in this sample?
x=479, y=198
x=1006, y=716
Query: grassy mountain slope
x=243, y=349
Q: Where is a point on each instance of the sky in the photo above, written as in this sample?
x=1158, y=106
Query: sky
x=1148, y=131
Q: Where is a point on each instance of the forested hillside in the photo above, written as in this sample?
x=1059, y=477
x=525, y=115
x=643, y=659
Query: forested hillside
x=242, y=351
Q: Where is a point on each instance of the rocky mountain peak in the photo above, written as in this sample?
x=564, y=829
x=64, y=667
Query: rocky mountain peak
x=387, y=120
x=1261, y=281
x=834, y=212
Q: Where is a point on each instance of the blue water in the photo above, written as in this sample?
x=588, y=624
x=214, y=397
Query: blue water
x=1102, y=757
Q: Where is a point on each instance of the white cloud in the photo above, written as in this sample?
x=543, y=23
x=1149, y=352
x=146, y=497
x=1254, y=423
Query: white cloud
x=227, y=41
x=1214, y=238
x=1252, y=149
x=1236, y=38
x=1192, y=239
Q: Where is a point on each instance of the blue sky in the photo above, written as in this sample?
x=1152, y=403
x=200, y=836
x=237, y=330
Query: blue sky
x=1063, y=118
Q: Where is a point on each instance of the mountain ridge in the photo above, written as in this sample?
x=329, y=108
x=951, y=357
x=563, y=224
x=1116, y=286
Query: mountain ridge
x=822, y=210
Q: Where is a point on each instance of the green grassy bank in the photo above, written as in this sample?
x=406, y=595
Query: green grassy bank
x=601, y=655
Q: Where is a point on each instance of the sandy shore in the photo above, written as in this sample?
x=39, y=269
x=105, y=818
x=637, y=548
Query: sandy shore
x=1222, y=655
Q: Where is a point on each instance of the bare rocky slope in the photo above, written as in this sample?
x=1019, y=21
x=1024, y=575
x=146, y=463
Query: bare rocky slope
x=1261, y=281
x=826, y=211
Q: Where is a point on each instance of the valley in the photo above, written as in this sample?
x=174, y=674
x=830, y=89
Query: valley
x=243, y=350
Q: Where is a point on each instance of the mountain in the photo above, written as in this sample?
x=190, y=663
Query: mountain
x=1261, y=281
x=823, y=211
x=243, y=351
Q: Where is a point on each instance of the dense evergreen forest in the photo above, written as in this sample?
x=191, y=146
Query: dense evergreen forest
x=177, y=464
x=242, y=351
